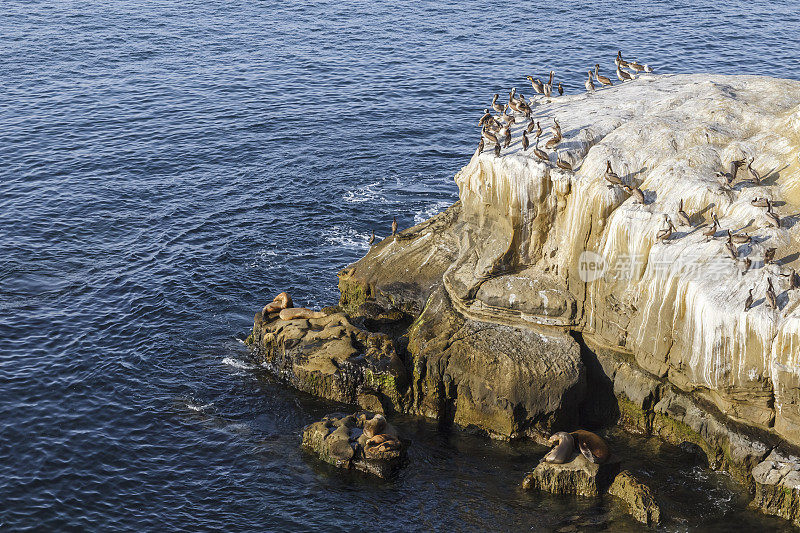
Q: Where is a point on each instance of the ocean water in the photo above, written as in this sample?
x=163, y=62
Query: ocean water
x=167, y=167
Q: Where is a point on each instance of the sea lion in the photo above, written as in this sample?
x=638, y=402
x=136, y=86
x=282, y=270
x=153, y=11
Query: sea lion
x=562, y=452
x=591, y=446
x=300, y=312
x=281, y=301
x=374, y=426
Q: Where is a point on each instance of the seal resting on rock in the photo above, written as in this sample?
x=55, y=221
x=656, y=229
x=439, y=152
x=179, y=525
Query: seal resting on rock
x=374, y=426
x=281, y=301
x=593, y=447
x=300, y=312
x=562, y=452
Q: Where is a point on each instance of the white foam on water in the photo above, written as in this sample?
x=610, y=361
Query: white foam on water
x=264, y=258
x=199, y=408
x=238, y=363
x=430, y=210
x=341, y=236
x=366, y=193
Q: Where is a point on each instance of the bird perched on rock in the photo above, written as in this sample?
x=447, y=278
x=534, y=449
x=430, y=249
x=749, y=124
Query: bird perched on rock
x=712, y=230
x=372, y=239
x=602, y=79
x=538, y=152
x=623, y=76
x=394, y=226
x=612, y=177
x=752, y=171
x=772, y=300
x=683, y=218
x=497, y=150
x=525, y=142
x=560, y=89
x=589, y=84
x=536, y=83
x=769, y=255
x=665, y=234
x=480, y=146
x=635, y=192
x=749, y=301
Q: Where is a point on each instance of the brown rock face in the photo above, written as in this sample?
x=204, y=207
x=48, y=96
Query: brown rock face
x=641, y=503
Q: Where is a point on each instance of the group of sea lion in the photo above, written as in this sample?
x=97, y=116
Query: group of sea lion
x=593, y=447
x=382, y=437
x=282, y=304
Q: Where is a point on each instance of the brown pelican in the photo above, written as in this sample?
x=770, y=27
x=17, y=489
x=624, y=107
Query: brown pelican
x=759, y=202
x=619, y=61
x=735, y=165
x=531, y=125
x=749, y=301
x=498, y=107
x=538, y=129
x=622, y=75
x=525, y=142
x=772, y=217
x=602, y=79
x=636, y=66
x=489, y=135
x=635, y=192
x=683, y=218
x=541, y=154
x=486, y=116
x=747, y=263
x=480, y=146
x=612, y=178
x=769, y=255
x=665, y=234
x=536, y=84
x=772, y=300
x=738, y=239
x=552, y=143
x=794, y=281
x=394, y=225
x=589, y=84
x=548, y=87
x=372, y=239
x=712, y=230
x=753, y=173
x=560, y=163
x=497, y=150
x=731, y=249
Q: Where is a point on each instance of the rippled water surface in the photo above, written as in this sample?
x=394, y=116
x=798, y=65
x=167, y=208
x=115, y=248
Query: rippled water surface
x=166, y=167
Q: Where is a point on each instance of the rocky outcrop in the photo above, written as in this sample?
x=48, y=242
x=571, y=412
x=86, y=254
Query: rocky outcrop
x=638, y=497
x=543, y=296
x=578, y=476
x=360, y=441
x=777, y=486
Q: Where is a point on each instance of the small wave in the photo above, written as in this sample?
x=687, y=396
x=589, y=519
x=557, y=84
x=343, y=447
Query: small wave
x=265, y=258
x=199, y=408
x=365, y=193
x=431, y=210
x=238, y=363
x=347, y=238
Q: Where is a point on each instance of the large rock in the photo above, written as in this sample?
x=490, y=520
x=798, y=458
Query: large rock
x=777, y=486
x=578, y=476
x=638, y=497
x=345, y=441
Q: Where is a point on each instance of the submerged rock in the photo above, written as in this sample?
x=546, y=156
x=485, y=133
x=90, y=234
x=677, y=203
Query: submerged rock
x=361, y=441
x=641, y=503
x=578, y=476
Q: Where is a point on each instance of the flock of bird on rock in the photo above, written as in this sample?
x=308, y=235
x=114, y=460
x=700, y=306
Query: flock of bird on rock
x=496, y=129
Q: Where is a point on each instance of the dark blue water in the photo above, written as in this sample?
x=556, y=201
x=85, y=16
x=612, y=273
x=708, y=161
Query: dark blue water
x=166, y=167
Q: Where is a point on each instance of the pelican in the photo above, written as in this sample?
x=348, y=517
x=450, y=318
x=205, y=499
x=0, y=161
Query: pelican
x=536, y=84
x=497, y=150
x=753, y=173
x=648, y=69
x=747, y=263
x=738, y=239
x=394, y=225
x=619, y=61
x=525, y=142
x=486, y=116
x=635, y=192
x=612, y=178
x=735, y=165
x=769, y=255
x=372, y=239
x=683, y=218
x=589, y=84
x=538, y=129
x=489, y=135
x=712, y=230
x=560, y=163
x=541, y=154
x=665, y=234
x=552, y=143
x=602, y=79
x=749, y=301
x=636, y=66
x=548, y=87
x=731, y=249
x=480, y=146
x=531, y=125
x=622, y=75
x=507, y=142
x=498, y=107
x=772, y=217
x=772, y=300
x=759, y=202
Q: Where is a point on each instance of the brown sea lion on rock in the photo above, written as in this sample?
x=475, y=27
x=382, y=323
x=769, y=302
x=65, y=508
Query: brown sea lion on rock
x=593, y=447
x=374, y=426
x=281, y=301
x=562, y=452
x=300, y=312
